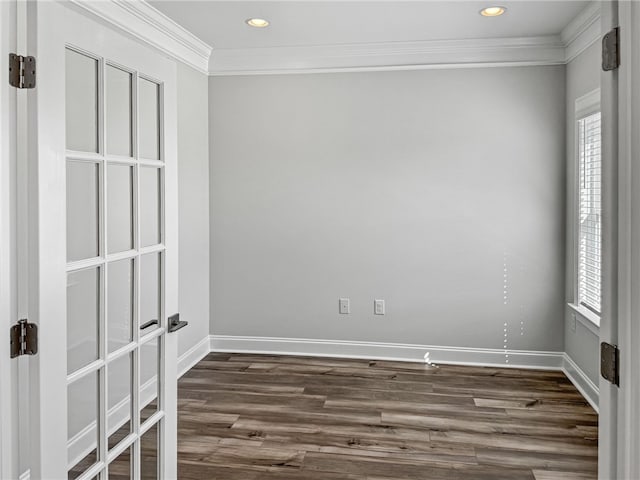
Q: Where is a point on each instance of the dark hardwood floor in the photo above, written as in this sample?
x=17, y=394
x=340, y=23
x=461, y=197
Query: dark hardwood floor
x=273, y=417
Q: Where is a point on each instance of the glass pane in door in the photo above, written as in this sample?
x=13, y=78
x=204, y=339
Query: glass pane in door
x=82, y=210
x=118, y=109
x=83, y=318
x=149, y=206
x=119, y=399
x=149, y=293
x=149, y=369
x=149, y=454
x=119, y=304
x=82, y=424
x=149, y=119
x=120, y=468
x=119, y=208
x=81, y=102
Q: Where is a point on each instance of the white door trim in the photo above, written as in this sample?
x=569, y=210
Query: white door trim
x=628, y=422
x=8, y=292
x=611, y=216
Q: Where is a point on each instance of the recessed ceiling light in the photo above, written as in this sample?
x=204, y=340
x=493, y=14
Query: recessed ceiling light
x=492, y=11
x=257, y=22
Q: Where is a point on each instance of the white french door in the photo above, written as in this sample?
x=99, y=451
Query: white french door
x=103, y=250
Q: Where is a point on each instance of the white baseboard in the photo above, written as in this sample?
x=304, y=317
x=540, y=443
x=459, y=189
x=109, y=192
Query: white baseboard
x=388, y=351
x=192, y=356
x=589, y=390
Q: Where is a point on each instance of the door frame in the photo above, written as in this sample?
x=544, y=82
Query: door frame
x=628, y=76
x=611, y=222
x=619, y=433
x=9, y=463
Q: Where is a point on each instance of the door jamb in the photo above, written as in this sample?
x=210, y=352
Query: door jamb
x=9, y=451
x=628, y=421
x=608, y=395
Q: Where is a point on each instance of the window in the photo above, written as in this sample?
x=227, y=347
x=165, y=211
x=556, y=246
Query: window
x=590, y=207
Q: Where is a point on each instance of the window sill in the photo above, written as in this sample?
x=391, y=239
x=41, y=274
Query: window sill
x=587, y=318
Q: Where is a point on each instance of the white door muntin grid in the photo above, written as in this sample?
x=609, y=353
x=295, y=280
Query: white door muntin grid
x=102, y=263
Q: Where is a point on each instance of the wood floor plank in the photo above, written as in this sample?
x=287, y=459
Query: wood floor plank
x=267, y=417
x=567, y=445
x=551, y=475
x=395, y=468
x=486, y=425
x=536, y=460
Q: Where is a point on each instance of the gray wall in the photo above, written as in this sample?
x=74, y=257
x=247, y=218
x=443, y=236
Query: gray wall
x=193, y=197
x=423, y=188
x=583, y=76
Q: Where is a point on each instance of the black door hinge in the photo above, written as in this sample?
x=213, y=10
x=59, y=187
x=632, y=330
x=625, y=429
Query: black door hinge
x=23, y=339
x=610, y=363
x=22, y=71
x=611, y=50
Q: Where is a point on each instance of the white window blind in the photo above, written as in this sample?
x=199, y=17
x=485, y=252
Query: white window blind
x=590, y=229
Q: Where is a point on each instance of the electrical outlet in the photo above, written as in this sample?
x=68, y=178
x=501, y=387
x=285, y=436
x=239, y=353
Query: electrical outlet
x=344, y=306
x=378, y=307
x=572, y=322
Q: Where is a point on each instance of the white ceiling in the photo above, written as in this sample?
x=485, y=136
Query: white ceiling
x=306, y=23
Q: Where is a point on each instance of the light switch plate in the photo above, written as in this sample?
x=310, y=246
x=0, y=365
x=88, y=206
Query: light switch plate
x=378, y=307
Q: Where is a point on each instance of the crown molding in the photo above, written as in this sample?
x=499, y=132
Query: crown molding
x=577, y=36
x=139, y=19
x=547, y=50
x=146, y=23
x=582, y=31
